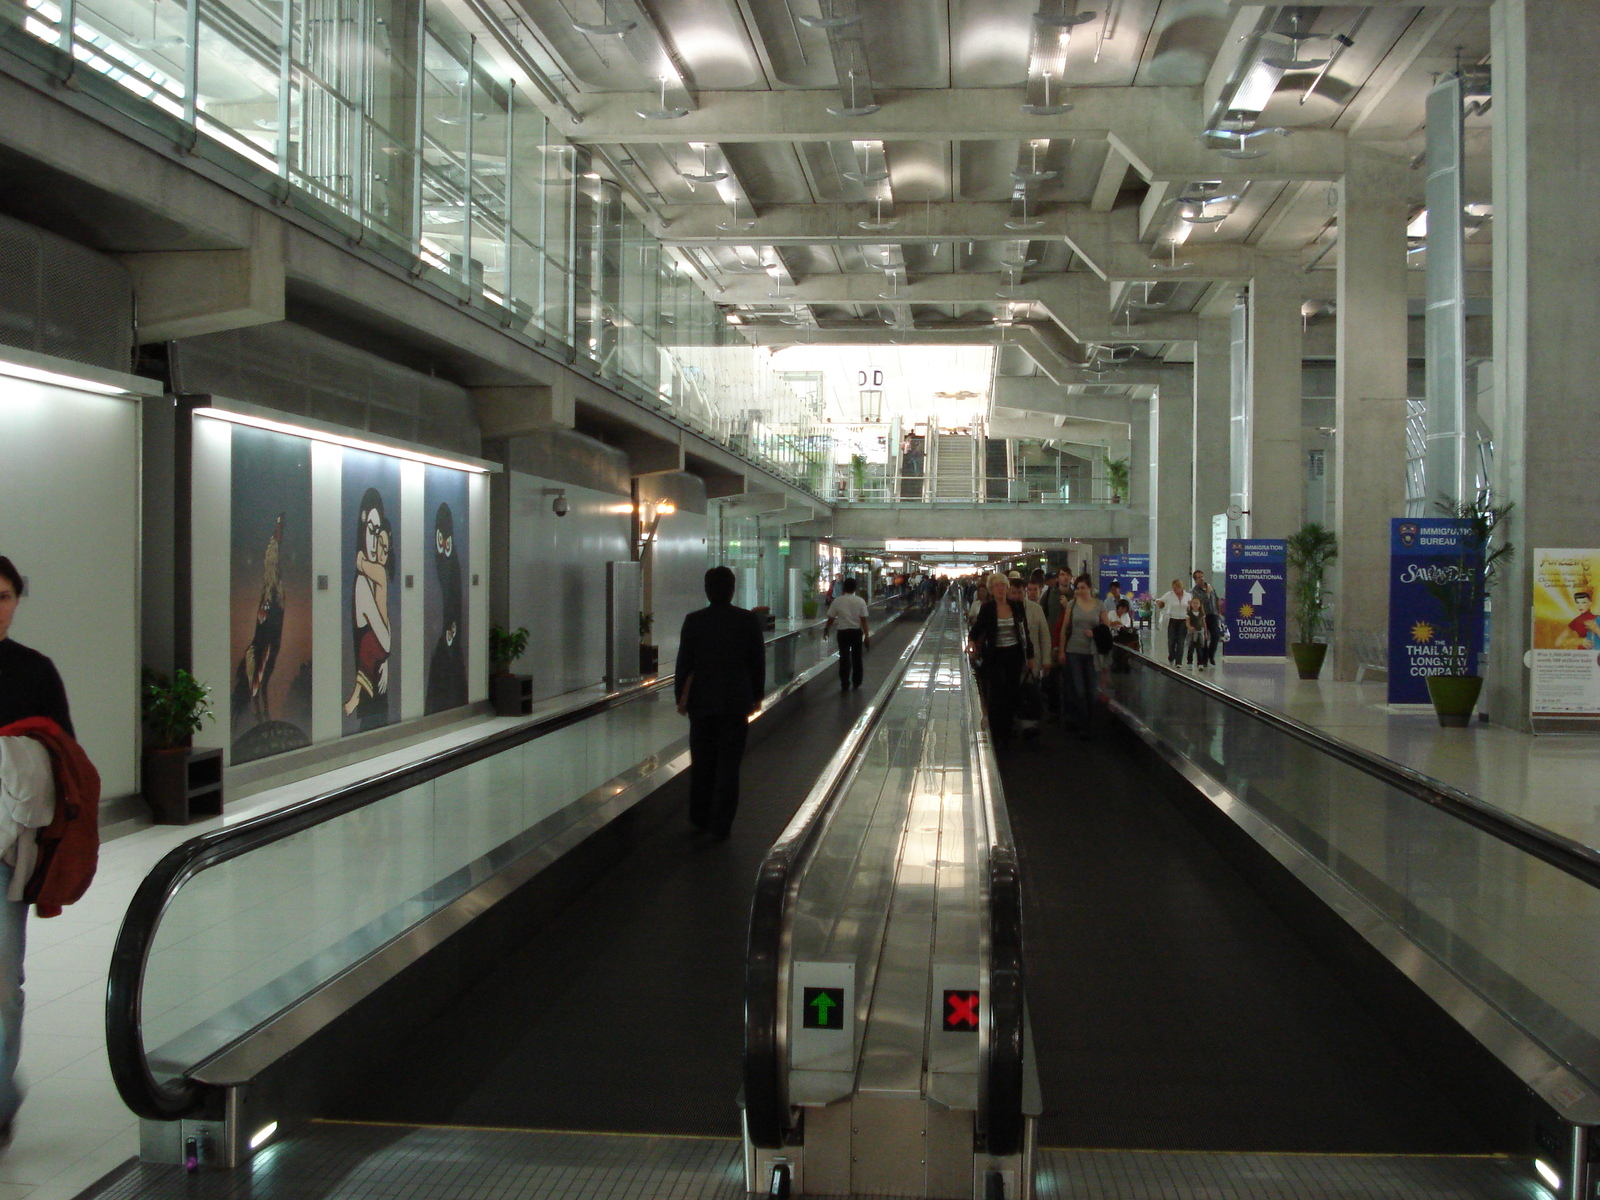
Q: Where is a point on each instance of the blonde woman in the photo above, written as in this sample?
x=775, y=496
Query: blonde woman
x=1000, y=636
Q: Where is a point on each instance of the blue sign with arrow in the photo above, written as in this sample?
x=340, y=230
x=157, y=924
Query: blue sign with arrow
x=1257, y=603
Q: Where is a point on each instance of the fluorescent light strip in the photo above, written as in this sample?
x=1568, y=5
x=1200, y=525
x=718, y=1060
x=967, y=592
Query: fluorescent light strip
x=1548, y=1174
x=317, y=435
x=56, y=379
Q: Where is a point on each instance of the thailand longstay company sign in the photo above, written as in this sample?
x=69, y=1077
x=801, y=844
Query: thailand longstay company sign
x=1257, y=599
x=1424, y=550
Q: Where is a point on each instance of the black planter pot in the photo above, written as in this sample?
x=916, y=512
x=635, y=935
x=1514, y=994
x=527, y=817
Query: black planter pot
x=649, y=660
x=1455, y=698
x=1308, y=658
x=181, y=784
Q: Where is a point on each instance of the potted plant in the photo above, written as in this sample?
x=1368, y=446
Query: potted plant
x=649, y=652
x=858, y=474
x=1310, y=549
x=1117, y=476
x=808, y=606
x=506, y=691
x=1461, y=594
x=179, y=781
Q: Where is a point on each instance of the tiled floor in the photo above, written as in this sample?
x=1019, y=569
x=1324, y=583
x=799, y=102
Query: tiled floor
x=1549, y=780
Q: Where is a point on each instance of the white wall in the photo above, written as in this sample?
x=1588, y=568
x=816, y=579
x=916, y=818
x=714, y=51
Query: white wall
x=679, y=574
x=69, y=519
x=557, y=584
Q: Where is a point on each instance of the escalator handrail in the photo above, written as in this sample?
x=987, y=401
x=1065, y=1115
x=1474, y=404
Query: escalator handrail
x=769, y=1119
x=1565, y=854
x=130, y=1069
x=1000, y=1121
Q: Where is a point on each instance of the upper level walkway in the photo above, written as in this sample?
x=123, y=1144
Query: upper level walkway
x=1547, y=780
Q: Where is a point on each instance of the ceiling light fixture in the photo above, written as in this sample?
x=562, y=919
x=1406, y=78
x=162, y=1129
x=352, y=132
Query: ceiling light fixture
x=336, y=439
x=606, y=26
x=829, y=18
x=1067, y=21
x=1047, y=109
x=707, y=175
x=1243, y=137
x=880, y=222
x=666, y=112
x=854, y=109
x=1033, y=174
x=1294, y=39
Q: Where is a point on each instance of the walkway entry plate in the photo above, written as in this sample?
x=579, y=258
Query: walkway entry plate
x=822, y=1016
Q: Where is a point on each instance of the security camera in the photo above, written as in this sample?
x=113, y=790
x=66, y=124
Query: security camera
x=559, y=506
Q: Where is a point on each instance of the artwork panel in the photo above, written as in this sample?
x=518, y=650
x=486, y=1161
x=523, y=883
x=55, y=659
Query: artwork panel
x=370, y=580
x=446, y=570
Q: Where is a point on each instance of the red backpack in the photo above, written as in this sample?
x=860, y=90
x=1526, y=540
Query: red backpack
x=69, y=847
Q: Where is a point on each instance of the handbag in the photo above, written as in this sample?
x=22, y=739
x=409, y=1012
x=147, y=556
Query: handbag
x=1102, y=640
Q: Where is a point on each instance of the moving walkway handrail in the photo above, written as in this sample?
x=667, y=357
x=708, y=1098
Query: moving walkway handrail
x=130, y=1068
x=1566, y=855
x=1001, y=1124
x=769, y=1118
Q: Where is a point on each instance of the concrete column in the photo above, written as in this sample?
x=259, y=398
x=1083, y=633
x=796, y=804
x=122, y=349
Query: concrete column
x=1274, y=484
x=1141, y=464
x=1369, y=485
x=1546, y=161
x=1172, y=499
x=1210, y=458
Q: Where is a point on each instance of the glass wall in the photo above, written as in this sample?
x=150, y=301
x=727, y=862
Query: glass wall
x=396, y=125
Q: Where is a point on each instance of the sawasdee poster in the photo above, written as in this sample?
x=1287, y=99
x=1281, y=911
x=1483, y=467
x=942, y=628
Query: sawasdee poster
x=1566, y=634
x=269, y=592
x=1257, y=598
x=1424, y=550
x=444, y=588
x=370, y=515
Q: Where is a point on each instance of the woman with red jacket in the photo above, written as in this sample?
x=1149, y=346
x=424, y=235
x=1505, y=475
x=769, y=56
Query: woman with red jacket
x=30, y=686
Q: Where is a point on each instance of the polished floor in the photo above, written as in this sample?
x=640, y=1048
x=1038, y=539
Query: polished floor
x=1549, y=780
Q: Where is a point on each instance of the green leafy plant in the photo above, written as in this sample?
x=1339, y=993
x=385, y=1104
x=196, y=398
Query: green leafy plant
x=808, y=603
x=175, y=707
x=505, y=647
x=1464, y=584
x=647, y=622
x=1117, y=476
x=1310, y=549
x=858, y=472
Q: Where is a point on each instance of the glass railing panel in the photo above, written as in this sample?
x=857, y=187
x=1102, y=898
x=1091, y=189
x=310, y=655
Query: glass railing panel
x=1517, y=929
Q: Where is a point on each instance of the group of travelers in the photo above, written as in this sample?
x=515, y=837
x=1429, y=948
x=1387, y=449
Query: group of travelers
x=1194, y=622
x=1041, y=646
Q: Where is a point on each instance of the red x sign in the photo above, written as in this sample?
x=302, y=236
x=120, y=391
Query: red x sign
x=960, y=1011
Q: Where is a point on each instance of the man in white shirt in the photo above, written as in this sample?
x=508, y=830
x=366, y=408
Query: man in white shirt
x=850, y=610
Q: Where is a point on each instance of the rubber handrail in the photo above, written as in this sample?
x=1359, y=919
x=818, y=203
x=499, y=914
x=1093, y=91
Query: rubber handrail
x=130, y=1069
x=769, y=1119
x=1566, y=855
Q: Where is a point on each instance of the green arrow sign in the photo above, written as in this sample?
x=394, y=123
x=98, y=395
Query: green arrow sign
x=823, y=1008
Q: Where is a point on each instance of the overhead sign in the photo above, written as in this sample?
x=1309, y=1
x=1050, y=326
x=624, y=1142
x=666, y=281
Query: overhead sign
x=1257, y=597
x=1566, y=634
x=1424, y=550
x=1110, y=571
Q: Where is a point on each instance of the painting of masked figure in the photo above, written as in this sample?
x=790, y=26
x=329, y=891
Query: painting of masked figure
x=270, y=594
x=444, y=588
x=370, y=515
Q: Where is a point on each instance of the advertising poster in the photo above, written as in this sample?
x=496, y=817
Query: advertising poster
x=1424, y=550
x=1566, y=634
x=444, y=588
x=1257, y=598
x=1134, y=574
x=269, y=594
x=370, y=516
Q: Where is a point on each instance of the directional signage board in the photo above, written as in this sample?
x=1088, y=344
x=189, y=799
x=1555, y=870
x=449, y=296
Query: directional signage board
x=1134, y=575
x=1258, y=597
x=822, y=1018
x=1426, y=551
x=1110, y=571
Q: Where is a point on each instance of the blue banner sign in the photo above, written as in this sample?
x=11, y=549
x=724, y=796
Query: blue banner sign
x=1257, y=598
x=1134, y=574
x=1424, y=550
x=1110, y=571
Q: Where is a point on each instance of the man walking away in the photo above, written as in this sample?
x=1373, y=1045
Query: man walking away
x=719, y=681
x=850, y=610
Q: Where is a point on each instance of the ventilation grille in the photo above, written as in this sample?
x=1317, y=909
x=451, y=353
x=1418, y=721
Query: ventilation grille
x=63, y=299
x=290, y=369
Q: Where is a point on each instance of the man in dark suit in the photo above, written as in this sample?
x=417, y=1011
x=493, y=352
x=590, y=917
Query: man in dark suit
x=719, y=680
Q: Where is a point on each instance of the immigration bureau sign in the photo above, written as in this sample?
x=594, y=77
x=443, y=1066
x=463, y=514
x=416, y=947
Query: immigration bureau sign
x=1258, y=597
x=1424, y=551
